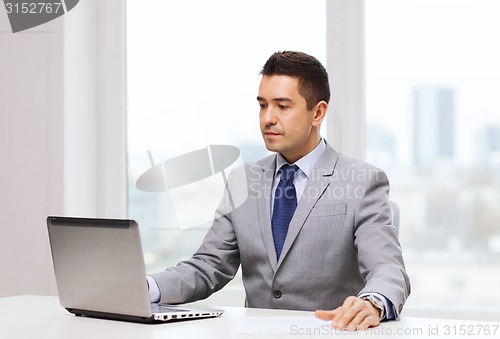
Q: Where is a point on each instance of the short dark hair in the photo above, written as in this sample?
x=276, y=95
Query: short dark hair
x=312, y=76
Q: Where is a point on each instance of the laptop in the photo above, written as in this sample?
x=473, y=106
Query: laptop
x=100, y=272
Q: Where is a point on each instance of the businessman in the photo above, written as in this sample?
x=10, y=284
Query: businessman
x=315, y=231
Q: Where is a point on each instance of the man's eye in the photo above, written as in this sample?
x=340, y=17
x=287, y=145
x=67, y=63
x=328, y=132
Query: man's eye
x=282, y=107
x=262, y=106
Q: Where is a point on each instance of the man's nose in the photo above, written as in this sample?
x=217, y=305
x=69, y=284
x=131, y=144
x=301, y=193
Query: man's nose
x=269, y=116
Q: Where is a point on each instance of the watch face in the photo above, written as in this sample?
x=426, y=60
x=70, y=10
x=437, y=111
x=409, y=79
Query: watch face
x=377, y=302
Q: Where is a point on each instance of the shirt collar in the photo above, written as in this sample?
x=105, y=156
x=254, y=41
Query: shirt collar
x=307, y=162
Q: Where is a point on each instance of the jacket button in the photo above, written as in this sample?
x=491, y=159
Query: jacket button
x=277, y=294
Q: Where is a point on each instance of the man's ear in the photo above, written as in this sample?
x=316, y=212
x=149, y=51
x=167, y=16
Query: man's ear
x=319, y=113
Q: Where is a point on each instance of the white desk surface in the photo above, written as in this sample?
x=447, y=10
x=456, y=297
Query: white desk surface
x=41, y=317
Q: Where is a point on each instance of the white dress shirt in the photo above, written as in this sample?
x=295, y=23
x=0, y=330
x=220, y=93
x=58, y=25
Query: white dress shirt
x=305, y=164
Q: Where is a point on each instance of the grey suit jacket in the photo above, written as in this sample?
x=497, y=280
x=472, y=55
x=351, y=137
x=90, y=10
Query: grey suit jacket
x=340, y=241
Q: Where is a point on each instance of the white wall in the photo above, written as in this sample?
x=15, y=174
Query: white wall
x=346, y=67
x=95, y=118
x=62, y=134
x=31, y=151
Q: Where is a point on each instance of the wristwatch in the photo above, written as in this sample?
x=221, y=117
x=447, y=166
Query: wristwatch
x=377, y=303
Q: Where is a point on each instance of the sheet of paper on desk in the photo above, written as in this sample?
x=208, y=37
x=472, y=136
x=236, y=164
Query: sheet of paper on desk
x=295, y=325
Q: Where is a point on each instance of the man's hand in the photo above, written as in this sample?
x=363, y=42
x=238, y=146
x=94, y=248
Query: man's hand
x=354, y=314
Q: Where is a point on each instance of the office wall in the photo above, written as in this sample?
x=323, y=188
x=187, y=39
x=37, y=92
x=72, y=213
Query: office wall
x=346, y=67
x=94, y=108
x=31, y=154
x=62, y=134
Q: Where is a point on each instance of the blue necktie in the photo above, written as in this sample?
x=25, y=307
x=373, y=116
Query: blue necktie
x=285, y=203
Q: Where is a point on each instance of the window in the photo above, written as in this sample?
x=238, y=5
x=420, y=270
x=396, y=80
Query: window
x=192, y=78
x=433, y=122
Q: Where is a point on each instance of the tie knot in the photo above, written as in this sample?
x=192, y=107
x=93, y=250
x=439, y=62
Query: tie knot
x=287, y=171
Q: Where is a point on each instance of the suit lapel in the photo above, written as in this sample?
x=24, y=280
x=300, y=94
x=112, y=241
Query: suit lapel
x=264, y=209
x=317, y=183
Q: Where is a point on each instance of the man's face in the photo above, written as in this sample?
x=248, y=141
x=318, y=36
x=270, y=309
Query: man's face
x=287, y=126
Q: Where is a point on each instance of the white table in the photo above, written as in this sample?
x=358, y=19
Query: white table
x=41, y=317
